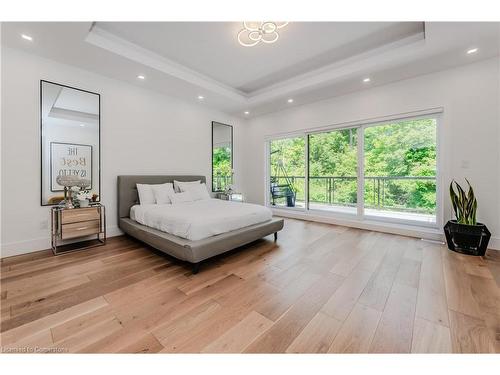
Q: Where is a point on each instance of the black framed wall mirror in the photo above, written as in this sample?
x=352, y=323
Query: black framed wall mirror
x=70, y=142
x=222, y=156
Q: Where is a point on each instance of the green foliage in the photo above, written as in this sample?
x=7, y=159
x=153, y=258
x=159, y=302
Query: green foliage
x=464, y=205
x=221, y=166
x=393, y=150
x=333, y=154
x=289, y=153
x=406, y=148
x=402, y=149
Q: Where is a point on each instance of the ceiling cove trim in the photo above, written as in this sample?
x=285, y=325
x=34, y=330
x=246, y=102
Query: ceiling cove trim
x=388, y=55
x=361, y=64
x=110, y=42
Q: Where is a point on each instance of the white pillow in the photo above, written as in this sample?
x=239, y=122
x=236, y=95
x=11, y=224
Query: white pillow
x=198, y=192
x=181, y=197
x=162, y=192
x=146, y=195
x=180, y=186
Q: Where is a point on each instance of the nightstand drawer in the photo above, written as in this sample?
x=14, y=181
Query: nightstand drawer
x=80, y=214
x=84, y=228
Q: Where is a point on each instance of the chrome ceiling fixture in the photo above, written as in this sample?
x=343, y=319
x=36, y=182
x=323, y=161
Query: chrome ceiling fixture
x=255, y=32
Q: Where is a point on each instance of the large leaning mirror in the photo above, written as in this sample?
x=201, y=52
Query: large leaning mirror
x=222, y=156
x=70, y=142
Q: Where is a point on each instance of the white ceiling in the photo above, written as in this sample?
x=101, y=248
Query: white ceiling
x=64, y=106
x=221, y=135
x=211, y=47
x=79, y=101
x=310, y=61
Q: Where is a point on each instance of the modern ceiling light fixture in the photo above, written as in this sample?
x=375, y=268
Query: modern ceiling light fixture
x=140, y=76
x=255, y=32
x=27, y=37
x=471, y=51
x=201, y=97
x=367, y=79
x=290, y=100
x=246, y=112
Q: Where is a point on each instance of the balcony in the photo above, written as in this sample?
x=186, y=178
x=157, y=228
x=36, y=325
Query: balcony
x=393, y=197
x=220, y=182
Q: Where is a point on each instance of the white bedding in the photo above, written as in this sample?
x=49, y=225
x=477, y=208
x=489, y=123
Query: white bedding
x=200, y=219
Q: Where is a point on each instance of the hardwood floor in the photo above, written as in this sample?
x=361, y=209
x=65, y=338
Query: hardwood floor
x=319, y=289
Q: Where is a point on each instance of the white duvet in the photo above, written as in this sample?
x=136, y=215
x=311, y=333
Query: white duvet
x=200, y=219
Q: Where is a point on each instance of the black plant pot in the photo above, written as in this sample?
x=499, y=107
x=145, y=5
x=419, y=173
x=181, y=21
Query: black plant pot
x=467, y=239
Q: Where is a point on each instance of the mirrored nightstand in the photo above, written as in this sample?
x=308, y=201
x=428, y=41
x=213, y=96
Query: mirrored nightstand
x=77, y=228
x=235, y=197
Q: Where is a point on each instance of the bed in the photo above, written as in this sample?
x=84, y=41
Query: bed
x=201, y=242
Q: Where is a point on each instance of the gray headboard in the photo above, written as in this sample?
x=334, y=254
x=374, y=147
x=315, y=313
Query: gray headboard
x=127, y=191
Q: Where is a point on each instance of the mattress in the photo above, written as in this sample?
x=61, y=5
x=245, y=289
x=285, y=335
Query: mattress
x=200, y=219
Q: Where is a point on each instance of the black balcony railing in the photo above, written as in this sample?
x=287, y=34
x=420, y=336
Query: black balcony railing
x=220, y=182
x=396, y=193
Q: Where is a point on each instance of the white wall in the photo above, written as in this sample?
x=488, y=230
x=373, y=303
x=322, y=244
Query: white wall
x=470, y=135
x=147, y=132
x=142, y=132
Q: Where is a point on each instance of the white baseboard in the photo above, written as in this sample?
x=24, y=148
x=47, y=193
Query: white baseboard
x=37, y=244
x=404, y=230
x=29, y=246
x=494, y=243
x=24, y=247
x=113, y=231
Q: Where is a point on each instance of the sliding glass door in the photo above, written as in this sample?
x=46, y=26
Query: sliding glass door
x=333, y=170
x=287, y=172
x=400, y=170
x=384, y=171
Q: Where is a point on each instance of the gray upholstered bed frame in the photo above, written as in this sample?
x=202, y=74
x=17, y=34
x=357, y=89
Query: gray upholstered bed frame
x=181, y=248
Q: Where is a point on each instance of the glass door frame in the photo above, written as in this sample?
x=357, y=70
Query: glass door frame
x=268, y=171
x=359, y=210
x=435, y=113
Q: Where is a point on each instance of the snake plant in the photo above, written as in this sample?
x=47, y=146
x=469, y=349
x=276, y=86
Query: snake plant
x=464, y=204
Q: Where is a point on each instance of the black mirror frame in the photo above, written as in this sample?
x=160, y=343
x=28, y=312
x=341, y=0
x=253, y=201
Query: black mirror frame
x=41, y=139
x=212, y=154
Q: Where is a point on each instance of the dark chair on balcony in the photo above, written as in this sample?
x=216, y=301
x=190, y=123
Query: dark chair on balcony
x=283, y=191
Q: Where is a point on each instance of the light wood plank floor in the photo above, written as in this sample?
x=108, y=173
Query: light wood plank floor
x=319, y=289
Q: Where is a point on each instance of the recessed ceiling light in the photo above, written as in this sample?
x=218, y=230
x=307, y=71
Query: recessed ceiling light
x=290, y=100
x=27, y=37
x=246, y=112
x=201, y=97
x=367, y=79
x=140, y=76
x=472, y=50
x=82, y=124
